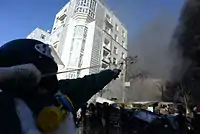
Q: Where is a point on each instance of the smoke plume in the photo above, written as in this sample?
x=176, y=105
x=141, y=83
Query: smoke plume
x=158, y=55
x=156, y=44
x=189, y=41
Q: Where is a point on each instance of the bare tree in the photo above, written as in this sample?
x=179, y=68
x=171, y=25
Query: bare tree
x=133, y=75
x=141, y=74
x=125, y=65
x=177, y=92
x=185, y=96
x=161, y=87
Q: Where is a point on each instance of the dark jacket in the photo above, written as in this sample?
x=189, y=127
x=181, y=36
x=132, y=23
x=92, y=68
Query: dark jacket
x=79, y=91
x=82, y=89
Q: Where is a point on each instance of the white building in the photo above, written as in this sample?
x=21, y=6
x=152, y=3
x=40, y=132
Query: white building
x=86, y=34
x=40, y=35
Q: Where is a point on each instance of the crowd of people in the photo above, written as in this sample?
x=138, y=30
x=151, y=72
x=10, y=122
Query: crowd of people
x=108, y=119
x=100, y=119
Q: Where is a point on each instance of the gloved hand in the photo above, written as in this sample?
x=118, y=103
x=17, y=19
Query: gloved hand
x=20, y=76
x=116, y=73
x=28, y=71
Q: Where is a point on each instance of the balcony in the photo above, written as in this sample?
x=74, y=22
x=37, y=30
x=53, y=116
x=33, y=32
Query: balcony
x=106, y=56
x=108, y=30
x=107, y=47
x=106, y=44
x=108, y=21
x=104, y=66
x=106, y=59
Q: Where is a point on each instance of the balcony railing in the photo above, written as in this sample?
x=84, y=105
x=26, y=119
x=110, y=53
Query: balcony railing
x=107, y=46
x=108, y=22
x=106, y=59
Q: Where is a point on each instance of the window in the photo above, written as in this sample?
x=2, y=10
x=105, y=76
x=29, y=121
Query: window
x=81, y=2
x=123, y=56
x=55, y=43
x=80, y=9
x=91, y=14
x=80, y=60
x=71, y=75
x=105, y=53
x=62, y=17
x=78, y=73
x=84, y=2
x=116, y=27
x=115, y=51
x=106, y=41
x=93, y=5
x=123, y=43
x=83, y=46
x=116, y=38
x=55, y=46
x=76, y=10
x=104, y=66
x=88, y=3
x=57, y=19
x=80, y=31
x=85, y=32
x=86, y=10
x=42, y=36
x=123, y=34
x=107, y=29
x=108, y=17
x=114, y=61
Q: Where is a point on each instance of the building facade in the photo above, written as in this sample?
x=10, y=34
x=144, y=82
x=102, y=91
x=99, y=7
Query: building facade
x=87, y=34
x=40, y=35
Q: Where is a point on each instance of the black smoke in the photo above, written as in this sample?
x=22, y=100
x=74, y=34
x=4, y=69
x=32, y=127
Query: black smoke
x=189, y=45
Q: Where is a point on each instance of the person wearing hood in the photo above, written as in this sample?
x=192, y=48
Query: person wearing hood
x=37, y=101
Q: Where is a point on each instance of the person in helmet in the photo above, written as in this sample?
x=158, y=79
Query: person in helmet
x=36, y=98
x=19, y=52
x=23, y=51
